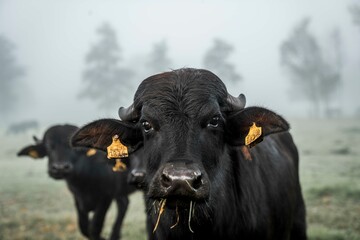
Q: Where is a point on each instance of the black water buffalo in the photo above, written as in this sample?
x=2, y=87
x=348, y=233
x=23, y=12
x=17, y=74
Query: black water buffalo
x=208, y=174
x=88, y=176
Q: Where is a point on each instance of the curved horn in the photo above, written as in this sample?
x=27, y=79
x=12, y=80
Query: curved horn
x=236, y=103
x=37, y=141
x=127, y=114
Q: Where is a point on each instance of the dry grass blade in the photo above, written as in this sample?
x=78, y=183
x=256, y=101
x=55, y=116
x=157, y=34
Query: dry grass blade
x=190, y=215
x=162, y=208
x=177, y=218
x=155, y=208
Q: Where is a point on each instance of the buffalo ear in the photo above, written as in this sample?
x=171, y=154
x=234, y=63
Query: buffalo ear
x=239, y=125
x=99, y=134
x=34, y=151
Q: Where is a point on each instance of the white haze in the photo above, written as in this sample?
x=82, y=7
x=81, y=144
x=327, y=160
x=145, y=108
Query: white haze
x=53, y=36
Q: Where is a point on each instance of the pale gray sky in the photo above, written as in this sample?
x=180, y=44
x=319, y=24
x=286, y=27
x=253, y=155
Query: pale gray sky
x=53, y=36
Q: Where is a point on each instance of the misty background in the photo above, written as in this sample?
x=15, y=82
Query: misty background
x=76, y=61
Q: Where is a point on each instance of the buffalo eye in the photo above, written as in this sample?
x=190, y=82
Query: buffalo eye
x=214, y=122
x=147, y=126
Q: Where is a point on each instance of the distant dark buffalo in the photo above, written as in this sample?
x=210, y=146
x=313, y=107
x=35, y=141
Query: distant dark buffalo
x=88, y=176
x=208, y=175
x=21, y=127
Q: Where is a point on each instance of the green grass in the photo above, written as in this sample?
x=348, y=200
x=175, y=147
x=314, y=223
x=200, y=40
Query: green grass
x=33, y=206
x=330, y=174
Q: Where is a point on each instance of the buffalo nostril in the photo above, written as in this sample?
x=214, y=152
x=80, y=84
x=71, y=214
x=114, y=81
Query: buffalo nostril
x=166, y=180
x=61, y=168
x=197, y=181
x=54, y=168
x=137, y=177
x=67, y=167
x=137, y=173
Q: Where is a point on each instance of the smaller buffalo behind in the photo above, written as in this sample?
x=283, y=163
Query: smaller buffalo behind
x=208, y=175
x=88, y=176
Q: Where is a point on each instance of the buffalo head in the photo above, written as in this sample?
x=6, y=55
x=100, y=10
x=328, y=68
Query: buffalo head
x=56, y=146
x=185, y=122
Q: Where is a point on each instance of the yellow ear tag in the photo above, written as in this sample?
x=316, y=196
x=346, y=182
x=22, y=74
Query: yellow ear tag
x=91, y=152
x=33, y=154
x=117, y=150
x=254, y=133
x=119, y=166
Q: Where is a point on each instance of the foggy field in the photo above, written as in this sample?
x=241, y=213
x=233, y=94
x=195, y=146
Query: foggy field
x=33, y=206
x=77, y=61
x=330, y=173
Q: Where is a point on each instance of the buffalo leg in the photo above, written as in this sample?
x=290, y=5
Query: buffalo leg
x=97, y=221
x=122, y=205
x=83, y=220
x=298, y=231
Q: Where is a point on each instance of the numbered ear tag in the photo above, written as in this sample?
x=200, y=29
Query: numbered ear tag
x=254, y=133
x=117, y=149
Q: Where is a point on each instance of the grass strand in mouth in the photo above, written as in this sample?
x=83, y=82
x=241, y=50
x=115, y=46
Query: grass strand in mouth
x=154, y=203
x=177, y=217
x=161, y=210
x=190, y=215
x=193, y=209
x=162, y=204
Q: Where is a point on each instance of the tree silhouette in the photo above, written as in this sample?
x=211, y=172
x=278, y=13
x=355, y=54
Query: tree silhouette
x=10, y=73
x=355, y=12
x=158, y=59
x=312, y=78
x=104, y=81
x=216, y=60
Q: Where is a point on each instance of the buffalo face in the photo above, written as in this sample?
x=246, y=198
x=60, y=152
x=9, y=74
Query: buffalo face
x=56, y=146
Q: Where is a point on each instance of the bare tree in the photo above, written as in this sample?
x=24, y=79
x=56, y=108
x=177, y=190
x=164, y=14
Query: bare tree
x=158, y=59
x=312, y=78
x=355, y=12
x=331, y=75
x=104, y=81
x=216, y=60
x=10, y=73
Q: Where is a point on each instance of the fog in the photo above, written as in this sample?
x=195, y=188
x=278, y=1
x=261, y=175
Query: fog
x=53, y=37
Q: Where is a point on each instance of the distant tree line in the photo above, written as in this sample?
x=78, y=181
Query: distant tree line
x=313, y=76
x=106, y=81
